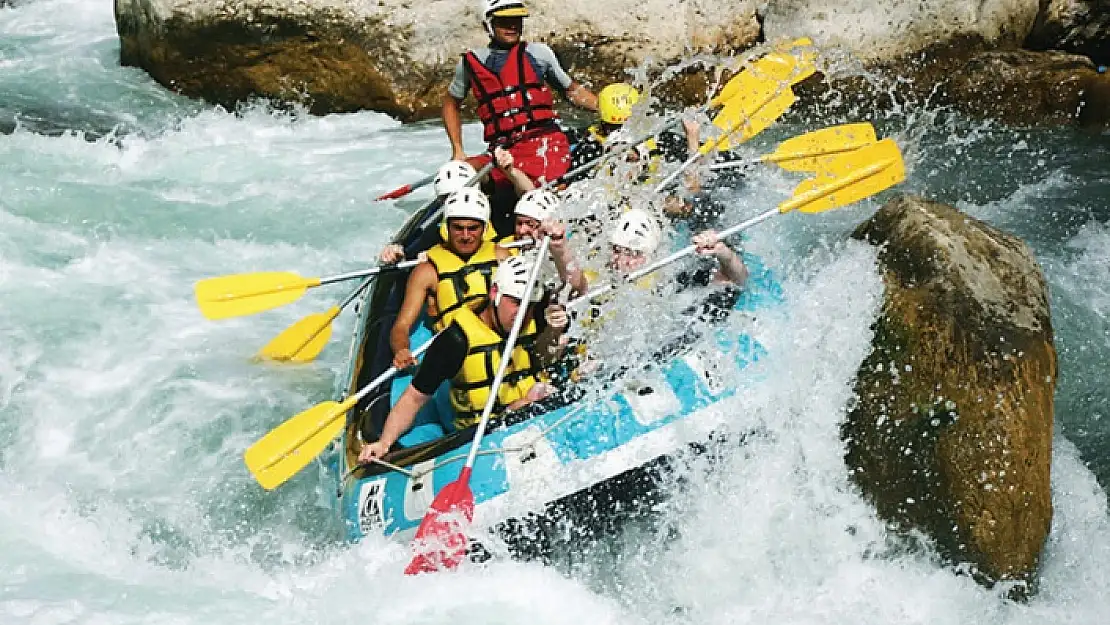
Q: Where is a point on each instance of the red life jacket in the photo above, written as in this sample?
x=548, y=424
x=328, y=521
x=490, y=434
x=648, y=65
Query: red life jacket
x=512, y=101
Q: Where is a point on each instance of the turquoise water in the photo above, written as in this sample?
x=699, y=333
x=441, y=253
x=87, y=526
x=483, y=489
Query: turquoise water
x=124, y=413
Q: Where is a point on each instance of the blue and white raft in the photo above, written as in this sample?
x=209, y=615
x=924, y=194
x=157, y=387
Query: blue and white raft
x=529, y=465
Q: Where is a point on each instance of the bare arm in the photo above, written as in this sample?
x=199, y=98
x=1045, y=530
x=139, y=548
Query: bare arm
x=416, y=295
x=452, y=123
x=581, y=96
x=732, y=267
x=548, y=346
x=402, y=415
x=396, y=424
x=569, y=271
x=521, y=182
x=691, y=129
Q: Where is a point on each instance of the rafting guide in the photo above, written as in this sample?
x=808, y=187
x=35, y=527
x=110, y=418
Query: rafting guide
x=511, y=81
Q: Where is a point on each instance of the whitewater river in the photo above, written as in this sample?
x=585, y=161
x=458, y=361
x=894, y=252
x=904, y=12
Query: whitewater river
x=124, y=413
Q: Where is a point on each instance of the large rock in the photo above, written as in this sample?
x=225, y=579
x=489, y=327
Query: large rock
x=952, y=430
x=945, y=53
x=1079, y=26
x=1023, y=87
x=397, y=56
x=1017, y=87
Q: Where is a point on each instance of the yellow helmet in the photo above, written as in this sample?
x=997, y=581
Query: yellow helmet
x=615, y=102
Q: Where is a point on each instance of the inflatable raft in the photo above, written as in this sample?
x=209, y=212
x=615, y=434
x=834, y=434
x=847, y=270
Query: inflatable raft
x=531, y=464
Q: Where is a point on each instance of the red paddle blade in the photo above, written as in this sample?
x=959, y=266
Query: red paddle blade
x=441, y=541
x=396, y=193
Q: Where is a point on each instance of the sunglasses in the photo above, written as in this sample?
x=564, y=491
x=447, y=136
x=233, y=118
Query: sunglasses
x=507, y=22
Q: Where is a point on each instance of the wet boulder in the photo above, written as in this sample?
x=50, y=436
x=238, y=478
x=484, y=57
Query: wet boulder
x=1013, y=86
x=1077, y=26
x=397, y=56
x=951, y=429
x=1025, y=88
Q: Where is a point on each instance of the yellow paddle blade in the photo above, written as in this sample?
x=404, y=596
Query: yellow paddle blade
x=289, y=447
x=804, y=152
x=249, y=293
x=740, y=120
x=784, y=66
x=304, y=340
x=880, y=167
x=844, y=163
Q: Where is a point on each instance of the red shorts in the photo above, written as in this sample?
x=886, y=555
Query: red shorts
x=542, y=158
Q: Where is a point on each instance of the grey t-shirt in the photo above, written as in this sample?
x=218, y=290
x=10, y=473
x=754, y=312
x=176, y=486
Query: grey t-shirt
x=541, y=55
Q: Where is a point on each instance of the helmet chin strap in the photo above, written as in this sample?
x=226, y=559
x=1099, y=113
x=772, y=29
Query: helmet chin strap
x=496, y=316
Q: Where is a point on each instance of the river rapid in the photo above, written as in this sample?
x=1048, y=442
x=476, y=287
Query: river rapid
x=124, y=413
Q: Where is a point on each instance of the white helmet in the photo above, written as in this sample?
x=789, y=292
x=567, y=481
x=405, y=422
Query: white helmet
x=637, y=230
x=501, y=8
x=539, y=204
x=511, y=278
x=467, y=203
x=452, y=176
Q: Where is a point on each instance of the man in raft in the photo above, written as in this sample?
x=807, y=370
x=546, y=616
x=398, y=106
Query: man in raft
x=457, y=271
x=469, y=353
x=636, y=238
x=705, y=293
x=535, y=215
x=511, y=81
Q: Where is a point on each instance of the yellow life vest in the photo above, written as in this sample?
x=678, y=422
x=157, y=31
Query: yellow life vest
x=462, y=282
x=470, y=387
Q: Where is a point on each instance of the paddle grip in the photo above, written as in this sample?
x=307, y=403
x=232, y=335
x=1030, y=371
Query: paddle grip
x=385, y=375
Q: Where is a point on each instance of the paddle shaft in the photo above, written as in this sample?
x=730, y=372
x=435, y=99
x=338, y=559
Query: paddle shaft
x=668, y=125
x=388, y=373
x=714, y=142
x=778, y=158
x=597, y=162
x=686, y=251
x=506, y=356
x=373, y=271
x=404, y=190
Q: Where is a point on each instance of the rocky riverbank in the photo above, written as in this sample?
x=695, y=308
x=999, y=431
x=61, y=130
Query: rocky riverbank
x=397, y=56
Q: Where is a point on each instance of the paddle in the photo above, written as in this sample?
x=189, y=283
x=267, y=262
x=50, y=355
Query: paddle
x=441, y=538
x=880, y=167
x=249, y=293
x=305, y=339
x=740, y=119
x=406, y=189
x=744, y=92
x=778, y=66
x=289, y=447
x=802, y=153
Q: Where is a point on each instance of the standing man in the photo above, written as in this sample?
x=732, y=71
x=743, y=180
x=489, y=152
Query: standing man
x=511, y=81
